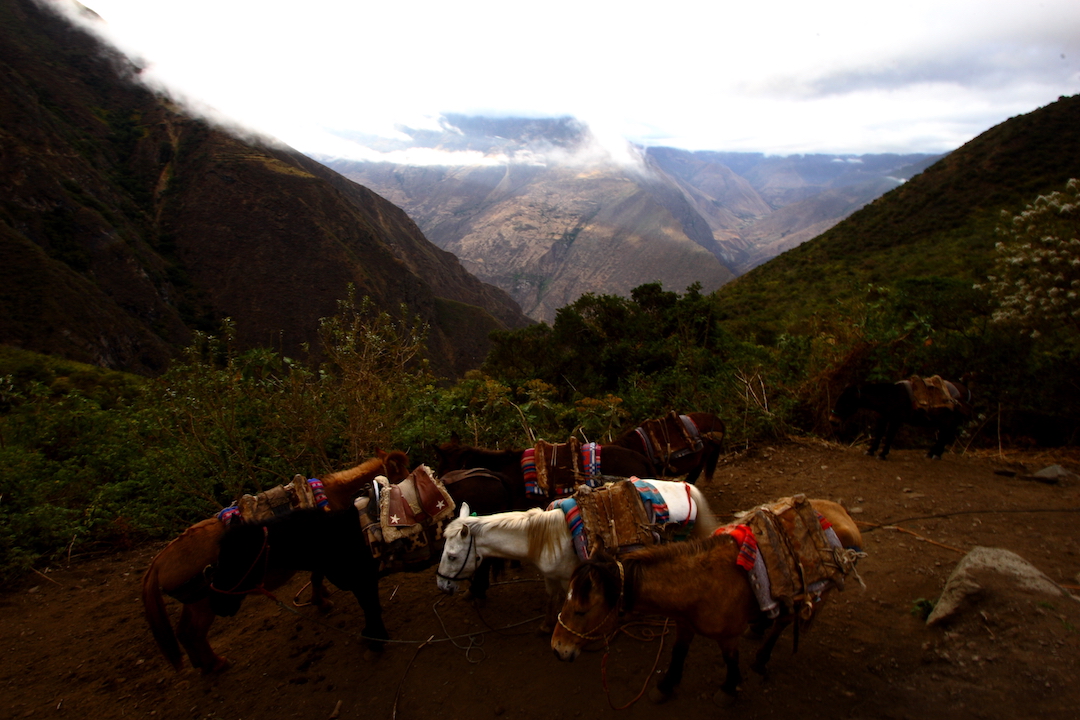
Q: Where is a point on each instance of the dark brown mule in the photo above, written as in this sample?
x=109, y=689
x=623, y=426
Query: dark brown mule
x=892, y=402
x=486, y=492
x=179, y=570
x=697, y=584
x=615, y=461
x=664, y=441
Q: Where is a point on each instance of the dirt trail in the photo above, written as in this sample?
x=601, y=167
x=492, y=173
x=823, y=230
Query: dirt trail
x=75, y=644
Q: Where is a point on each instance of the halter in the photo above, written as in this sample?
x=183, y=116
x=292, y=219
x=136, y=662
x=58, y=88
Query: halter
x=457, y=576
x=591, y=634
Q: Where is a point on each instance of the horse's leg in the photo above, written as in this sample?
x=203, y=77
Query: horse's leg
x=946, y=434
x=666, y=687
x=320, y=595
x=728, y=692
x=692, y=476
x=367, y=594
x=890, y=432
x=481, y=580
x=195, y=621
x=712, y=459
x=556, y=594
x=880, y=425
x=761, y=659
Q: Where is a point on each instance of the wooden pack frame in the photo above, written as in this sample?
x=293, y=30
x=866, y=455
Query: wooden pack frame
x=614, y=517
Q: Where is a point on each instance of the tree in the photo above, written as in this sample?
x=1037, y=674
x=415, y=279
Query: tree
x=1036, y=278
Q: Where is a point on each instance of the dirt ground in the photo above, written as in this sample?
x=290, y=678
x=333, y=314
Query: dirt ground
x=75, y=644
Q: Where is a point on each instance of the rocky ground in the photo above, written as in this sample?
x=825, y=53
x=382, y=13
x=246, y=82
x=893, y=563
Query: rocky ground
x=75, y=644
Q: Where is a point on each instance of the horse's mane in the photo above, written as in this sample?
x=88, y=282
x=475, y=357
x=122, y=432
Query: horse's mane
x=545, y=529
x=659, y=554
x=370, y=467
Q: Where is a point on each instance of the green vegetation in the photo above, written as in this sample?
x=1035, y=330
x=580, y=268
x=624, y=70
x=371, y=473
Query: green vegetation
x=96, y=459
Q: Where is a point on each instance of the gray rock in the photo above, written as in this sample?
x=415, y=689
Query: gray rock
x=965, y=587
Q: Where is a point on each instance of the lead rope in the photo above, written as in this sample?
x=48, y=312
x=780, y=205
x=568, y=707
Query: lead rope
x=645, y=685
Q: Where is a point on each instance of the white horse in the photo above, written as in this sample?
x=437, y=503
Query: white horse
x=542, y=538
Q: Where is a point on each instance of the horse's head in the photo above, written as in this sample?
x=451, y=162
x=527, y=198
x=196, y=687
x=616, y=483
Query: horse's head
x=451, y=455
x=845, y=407
x=395, y=465
x=460, y=557
x=591, y=609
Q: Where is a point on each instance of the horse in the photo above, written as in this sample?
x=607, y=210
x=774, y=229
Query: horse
x=615, y=461
x=697, y=584
x=542, y=538
x=260, y=557
x=892, y=402
x=485, y=492
x=180, y=568
x=707, y=427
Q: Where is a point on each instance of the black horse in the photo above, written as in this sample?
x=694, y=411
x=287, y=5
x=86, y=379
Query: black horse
x=894, y=406
x=261, y=557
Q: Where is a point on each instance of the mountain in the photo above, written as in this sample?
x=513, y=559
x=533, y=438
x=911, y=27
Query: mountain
x=539, y=209
x=939, y=225
x=126, y=224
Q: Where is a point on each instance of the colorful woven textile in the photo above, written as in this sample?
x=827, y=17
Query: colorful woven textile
x=528, y=471
x=574, y=522
x=319, y=491
x=748, y=548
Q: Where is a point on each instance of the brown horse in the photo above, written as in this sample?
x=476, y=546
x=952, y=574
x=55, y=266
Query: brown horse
x=664, y=442
x=697, y=584
x=179, y=570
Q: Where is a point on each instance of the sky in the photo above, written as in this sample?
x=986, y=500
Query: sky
x=779, y=77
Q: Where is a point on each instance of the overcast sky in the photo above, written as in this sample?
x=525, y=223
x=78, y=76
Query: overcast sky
x=780, y=77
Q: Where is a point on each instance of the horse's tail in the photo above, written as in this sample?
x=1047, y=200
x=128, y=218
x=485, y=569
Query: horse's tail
x=158, y=617
x=706, y=523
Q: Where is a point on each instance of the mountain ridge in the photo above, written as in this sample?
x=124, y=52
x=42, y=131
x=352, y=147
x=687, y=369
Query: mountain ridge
x=514, y=219
x=126, y=224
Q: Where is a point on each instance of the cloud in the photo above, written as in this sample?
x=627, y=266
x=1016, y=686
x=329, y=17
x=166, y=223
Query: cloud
x=837, y=76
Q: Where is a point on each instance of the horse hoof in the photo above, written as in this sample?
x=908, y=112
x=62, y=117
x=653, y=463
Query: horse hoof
x=220, y=664
x=724, y=699
x=761, y=669
x=658, y=697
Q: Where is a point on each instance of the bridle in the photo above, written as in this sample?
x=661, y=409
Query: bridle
x=594, y=634
x=464, y=563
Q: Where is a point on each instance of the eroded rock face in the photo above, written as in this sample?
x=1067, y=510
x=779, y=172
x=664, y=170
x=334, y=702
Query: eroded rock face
x=991, y=577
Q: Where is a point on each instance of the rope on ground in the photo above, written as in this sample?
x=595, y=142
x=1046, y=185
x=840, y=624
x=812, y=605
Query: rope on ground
x=645, y=685
x=874, y=526
x=397, y=693
x=390, y=641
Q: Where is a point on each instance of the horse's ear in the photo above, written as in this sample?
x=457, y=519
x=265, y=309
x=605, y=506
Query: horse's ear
x=455, y=439
x=464, y=511
x=381, y=455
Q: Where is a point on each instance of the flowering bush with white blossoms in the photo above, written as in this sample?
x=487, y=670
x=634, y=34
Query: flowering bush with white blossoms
x=1036, y=278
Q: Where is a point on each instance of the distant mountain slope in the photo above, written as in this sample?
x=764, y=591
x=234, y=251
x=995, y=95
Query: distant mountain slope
x=939, y=224
x=125, y=224
x=546, y=215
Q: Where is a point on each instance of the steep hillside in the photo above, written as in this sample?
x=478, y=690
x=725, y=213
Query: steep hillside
x=126, y=224
x=551, y=217
x=941, y=223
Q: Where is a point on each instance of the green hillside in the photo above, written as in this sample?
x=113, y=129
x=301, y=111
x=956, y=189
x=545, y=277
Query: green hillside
x=940, y=224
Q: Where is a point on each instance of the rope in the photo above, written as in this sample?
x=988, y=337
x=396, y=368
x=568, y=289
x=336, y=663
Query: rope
x=645, y=685
x=874, y=526
x=429, y=641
